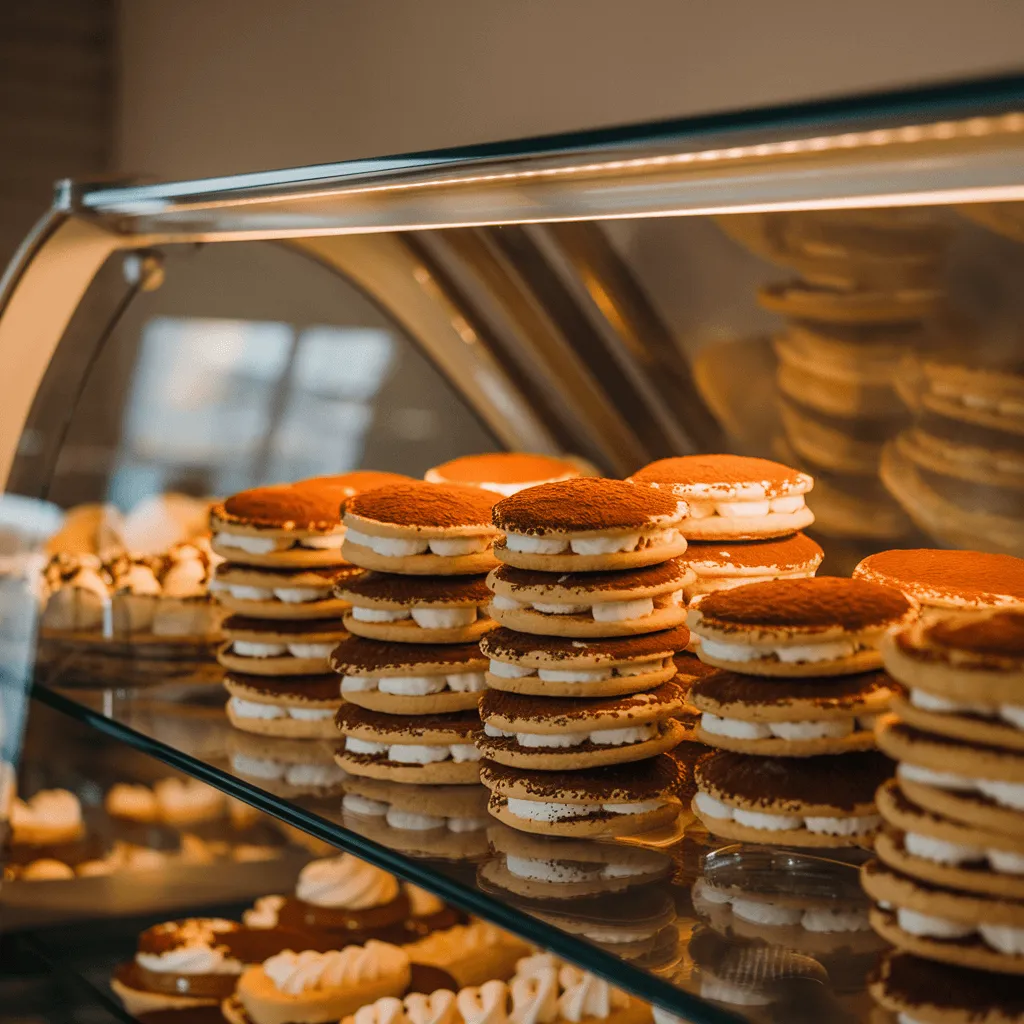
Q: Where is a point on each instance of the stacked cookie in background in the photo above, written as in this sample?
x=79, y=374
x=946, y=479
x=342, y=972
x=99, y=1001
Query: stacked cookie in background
x=411, y=672
x=581, y=701
x=948, y=881
x=506, y=473
x=793, y=708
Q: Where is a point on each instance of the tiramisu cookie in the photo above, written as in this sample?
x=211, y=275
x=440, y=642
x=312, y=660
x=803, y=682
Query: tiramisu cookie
x=279, y=647
x=262, y=593
x=348, y=485
x=298, y=707
x=804, y=300
x=557, y=734
x=926, y=992
x=733, y=497
x=416, y=609
x=589, y=524
x=821, y=626
x=279, y=527
x=825, y=802
x=423, y=749
x=321, y=987
x=722, y=565
x=967, y=929
x=285, y=767
x=503, y=472
x=619, y=800
x=943, y=852
x=789, y=718
x=948, y=579
x=410, y=679
x=591, y=604
x=421, y=529
x=561, y=667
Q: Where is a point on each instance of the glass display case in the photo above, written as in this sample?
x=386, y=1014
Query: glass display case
x=835, y=286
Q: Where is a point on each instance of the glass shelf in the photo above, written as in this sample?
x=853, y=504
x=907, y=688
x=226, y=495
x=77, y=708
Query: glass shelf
x=710, y=933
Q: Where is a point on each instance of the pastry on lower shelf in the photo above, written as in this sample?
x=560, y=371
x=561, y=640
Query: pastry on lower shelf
x=78, y=596
x=48, y=838
x=342, y=899
x=317, y=987
x=503, y=472
x=472, y=953
x=428, y=913
x=171, y=801
x=293, y=706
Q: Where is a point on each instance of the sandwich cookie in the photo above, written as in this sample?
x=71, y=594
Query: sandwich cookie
x=504, y=473
x=789, y=718
x=416, y=609
x=285, y=767
x=348, y=485
x=733, y=497
x=826, y=802
x=262, y=593
x=296, y=707
x=804, y=300
x=920, y=991
x=619, y=800
x=561, y=667
x=424, y=749
x=954, y=580
x=590, y=604
x=421, y=529
x=410, y=679
x=722, y=565
x=944, y=852
x=589, y=524
x=968, y=782
x=967, y=929
x=560, y=734
x=822, y=626
x=284, y=527
x=279, y=647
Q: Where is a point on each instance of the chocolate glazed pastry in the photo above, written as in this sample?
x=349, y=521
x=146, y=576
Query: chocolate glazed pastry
x=345, y=926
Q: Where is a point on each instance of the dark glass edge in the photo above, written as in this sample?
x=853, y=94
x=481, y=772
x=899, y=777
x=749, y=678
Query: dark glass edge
x=645, y=986
x=997, y=94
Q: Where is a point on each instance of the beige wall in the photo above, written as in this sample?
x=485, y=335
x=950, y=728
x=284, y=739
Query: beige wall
x=222, y=85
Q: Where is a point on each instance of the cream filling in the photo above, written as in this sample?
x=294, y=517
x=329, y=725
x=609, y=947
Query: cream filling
x=939, y=851
x=539, y=810
x=789, y=654
x=403, y=547
x=250, y=649
x=190, y=959
x=253, y=545
x=1012, y=714
x=826, y=824
x=504, y=670
x=416, y=686
x=637, y=540
x=535, y=870
x=605, y=737
x=1000, y=404
x=604, y=611
x=1006, y=794
x=755, y=509
x=253, y=709
x=408, y=820
x=800, y=730
x=414, y=753
x=1002, y=938
x=426, y=617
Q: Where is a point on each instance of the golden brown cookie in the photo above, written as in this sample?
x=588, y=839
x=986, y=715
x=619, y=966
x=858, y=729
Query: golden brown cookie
x=806, y=301
x=262, y=593
x=504, y=473
x=279, y=647
x=297, y=707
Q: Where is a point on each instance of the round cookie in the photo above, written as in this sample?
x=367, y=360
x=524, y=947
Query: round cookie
x=561, y=667
x=283, y=527
x=409, y=679
x=968, y=929
x=504, y=473
x=724, y=564
x=587, y=525
x=560, y=734
x=825, y=802
x=278, y=647
x=733, y=497
x=786, y=718
x=416, y=609
x=424, y=749
x=806, y=301
x=592, y=604
x=297, y=707
x=285, y=767
x=976, y=724
x=938, y=578
x=580, y=803
x=421, y=529
x=820, y=626
x=262, y=593
x=942, y=993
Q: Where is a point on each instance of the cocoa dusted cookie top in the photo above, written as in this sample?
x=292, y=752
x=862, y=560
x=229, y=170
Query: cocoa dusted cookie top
x=725, y=687
x=636, y=781
x=794, y=552
x=310, y=687
x=673, y=571
x=387, y=586
x=998, y=634
x=586, y=504
x=462, y=723
x=357, y=656
x=506, y=643
x=282, y=506
x=721, y=477
x=424, y=505
x=574, y=711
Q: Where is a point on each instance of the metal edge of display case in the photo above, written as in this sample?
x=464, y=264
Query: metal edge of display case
x=471, y=899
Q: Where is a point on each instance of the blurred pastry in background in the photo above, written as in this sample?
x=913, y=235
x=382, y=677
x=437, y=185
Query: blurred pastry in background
x=94, y=529
x=48, y=838
x=171, y=801
x=77, y=596
x=504, y=472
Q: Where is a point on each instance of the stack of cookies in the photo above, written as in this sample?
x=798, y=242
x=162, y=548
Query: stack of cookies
x=412, y=672
x=581, y=701
x=948, y=881
x=792, y=709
